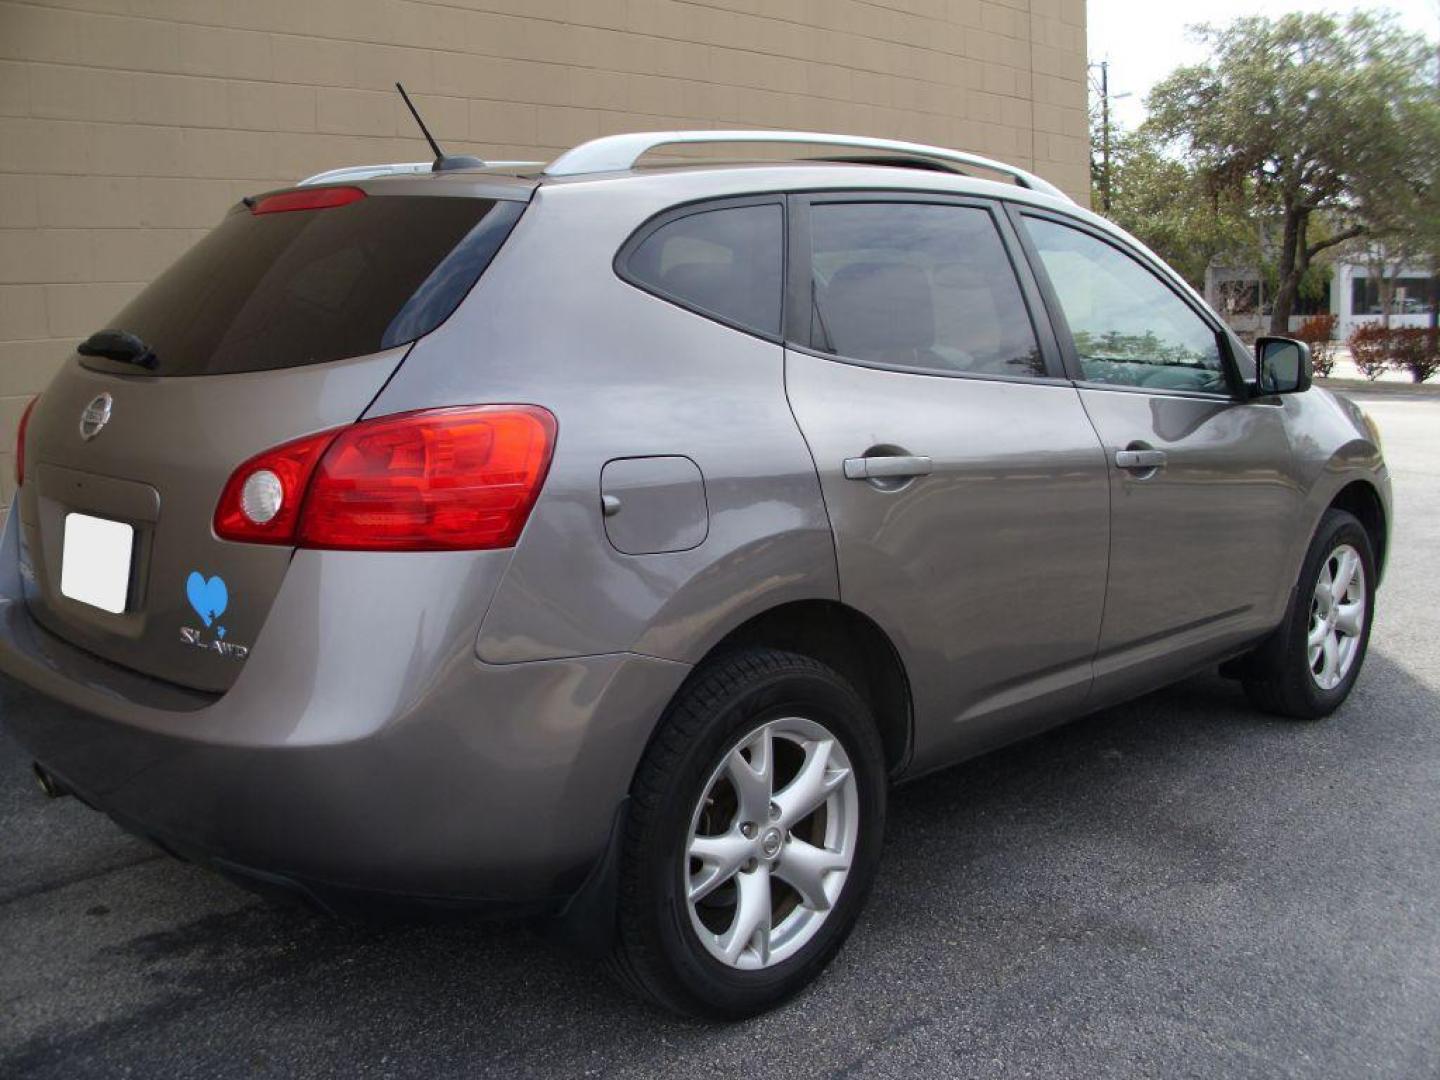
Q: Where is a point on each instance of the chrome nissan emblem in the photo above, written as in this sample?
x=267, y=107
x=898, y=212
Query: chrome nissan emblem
x=771, y=843
x=96, y=415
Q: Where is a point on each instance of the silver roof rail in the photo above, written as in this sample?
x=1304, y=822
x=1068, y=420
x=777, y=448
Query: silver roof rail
x=364, y=172
x=613, y=153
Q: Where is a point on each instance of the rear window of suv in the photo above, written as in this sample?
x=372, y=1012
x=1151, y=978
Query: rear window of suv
x=278, y=290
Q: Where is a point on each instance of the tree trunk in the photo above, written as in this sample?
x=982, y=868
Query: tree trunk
x=1292, y=252
x=1384, y=287
x=1376, y=275
x=1435, y=306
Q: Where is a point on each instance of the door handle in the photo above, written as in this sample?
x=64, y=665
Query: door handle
x=1140, y=459
x=887, y=467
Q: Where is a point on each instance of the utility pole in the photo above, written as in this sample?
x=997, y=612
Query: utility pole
x=1105, y=135
x=1105, y=99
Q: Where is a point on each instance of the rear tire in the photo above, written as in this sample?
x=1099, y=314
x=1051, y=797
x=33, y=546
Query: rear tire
x=1307, y=668
x=792, y=733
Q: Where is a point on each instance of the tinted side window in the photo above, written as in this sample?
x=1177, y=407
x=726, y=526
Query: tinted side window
x=918, y=285
x=1129, y=328
x=726, y=262
x=278, y=290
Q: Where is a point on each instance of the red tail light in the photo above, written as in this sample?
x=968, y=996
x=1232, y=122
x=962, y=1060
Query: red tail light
x=307, y=199
x=285, y=471
x=20, y=440
x=438, y=480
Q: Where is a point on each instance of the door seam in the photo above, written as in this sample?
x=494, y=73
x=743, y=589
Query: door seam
x=815, y=468
x=1109, y=534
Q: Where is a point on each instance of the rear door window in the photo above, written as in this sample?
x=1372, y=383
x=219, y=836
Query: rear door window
x=725, y=262
x=279, y=290
x=920, y=286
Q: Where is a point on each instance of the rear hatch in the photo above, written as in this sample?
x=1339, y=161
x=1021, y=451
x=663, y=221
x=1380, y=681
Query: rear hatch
x=287, y=319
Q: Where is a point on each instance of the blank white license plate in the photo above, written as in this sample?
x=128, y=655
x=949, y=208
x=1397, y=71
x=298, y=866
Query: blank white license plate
x=95, y=563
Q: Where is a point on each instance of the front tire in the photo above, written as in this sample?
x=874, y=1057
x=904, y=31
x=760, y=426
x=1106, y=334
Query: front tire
x=1307, y=668
x=754, y=833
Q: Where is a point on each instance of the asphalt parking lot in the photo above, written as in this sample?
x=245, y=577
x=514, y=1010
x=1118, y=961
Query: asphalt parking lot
x=1179, y=887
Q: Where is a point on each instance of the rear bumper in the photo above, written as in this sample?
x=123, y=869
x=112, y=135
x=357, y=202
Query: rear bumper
x=341, y=899
x=464, y=783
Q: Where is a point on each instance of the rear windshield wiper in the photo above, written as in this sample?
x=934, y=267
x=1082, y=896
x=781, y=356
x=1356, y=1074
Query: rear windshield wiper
x=119, y=345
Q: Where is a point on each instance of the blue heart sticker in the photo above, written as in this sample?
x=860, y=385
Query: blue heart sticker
x=208, y=598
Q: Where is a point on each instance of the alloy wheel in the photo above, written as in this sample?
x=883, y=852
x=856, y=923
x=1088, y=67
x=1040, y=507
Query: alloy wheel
x=1337, y=617
x=771, y=843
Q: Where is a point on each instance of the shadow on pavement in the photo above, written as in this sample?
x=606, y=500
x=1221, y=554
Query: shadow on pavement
x=1022, y=881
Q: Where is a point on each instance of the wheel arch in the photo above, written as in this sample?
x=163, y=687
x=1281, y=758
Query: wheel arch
x=849, y=641
x=1361, y=499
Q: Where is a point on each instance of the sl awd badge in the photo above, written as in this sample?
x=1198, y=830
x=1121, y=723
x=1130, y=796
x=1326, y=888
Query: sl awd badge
x=209, y=597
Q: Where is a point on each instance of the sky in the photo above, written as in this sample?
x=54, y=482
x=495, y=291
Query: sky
x=1145, y=40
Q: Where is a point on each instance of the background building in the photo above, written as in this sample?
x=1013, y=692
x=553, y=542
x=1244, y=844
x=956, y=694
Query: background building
x=1356, y=295
x=128, y=126
x=1353, y=294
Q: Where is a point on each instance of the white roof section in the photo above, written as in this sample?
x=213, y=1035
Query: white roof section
x=364, y=172
x=620, y=153
x=352, y=173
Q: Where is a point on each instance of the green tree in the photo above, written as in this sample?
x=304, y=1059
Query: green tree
x=1412, y=222
x=1310, y=119
x=1174, y=209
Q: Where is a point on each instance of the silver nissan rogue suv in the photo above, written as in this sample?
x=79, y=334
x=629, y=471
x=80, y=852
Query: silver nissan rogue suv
x=602, y=540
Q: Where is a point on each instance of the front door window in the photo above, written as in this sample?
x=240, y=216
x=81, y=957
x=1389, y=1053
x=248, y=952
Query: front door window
x=1129, y=327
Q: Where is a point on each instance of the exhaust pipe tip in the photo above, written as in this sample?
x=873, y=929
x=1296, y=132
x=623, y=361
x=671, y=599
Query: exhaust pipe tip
x=52, y=788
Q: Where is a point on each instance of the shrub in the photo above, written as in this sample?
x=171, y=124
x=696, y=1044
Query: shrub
x=1413, y=348
x=1375, y=348
x=1318, y=332
x=1370, y=349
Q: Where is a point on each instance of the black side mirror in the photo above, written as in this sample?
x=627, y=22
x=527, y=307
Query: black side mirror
x=1282, y=366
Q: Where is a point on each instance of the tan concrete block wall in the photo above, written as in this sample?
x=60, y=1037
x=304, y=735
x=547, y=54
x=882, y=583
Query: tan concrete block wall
x=128, y=126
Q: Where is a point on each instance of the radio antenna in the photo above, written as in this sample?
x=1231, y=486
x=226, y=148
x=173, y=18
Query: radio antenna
x=442, y=160
x=439, y=154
